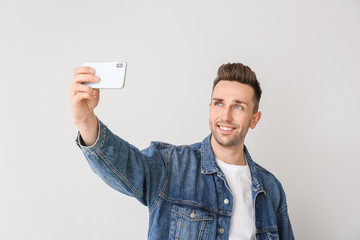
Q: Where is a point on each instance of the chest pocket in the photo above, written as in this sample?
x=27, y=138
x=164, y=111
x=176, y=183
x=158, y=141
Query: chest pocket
x=189, y=223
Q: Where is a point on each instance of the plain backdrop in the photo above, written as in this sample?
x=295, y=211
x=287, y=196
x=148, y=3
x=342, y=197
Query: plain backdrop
x=305, y=54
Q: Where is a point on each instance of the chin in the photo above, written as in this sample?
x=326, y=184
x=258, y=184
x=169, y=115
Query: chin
x=225, y=141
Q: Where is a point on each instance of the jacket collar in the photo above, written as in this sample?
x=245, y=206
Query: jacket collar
x=209, y=165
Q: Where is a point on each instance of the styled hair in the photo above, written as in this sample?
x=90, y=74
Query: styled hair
x=239, y=73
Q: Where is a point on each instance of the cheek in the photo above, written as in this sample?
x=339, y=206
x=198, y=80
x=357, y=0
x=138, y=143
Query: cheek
x=211, y=117
x=243, y=118
x=213, y=114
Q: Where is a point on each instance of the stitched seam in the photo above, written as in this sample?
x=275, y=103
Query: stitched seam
x=281, y=210
x=118, y=174
x=165, y=182
x=178, y=229
x=202, y=227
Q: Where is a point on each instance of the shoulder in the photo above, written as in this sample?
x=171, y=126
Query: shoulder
x=169, y=151
x=264, y=172
x=274, y=190
x=163, y=146
x=179, y=158
x=270, y=182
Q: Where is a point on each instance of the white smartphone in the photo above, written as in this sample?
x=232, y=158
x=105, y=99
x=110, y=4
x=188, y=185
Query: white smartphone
x=111, y=74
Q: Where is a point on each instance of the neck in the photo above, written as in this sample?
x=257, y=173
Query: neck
x=230, y=155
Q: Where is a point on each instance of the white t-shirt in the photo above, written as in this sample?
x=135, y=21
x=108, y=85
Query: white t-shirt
x=242, y=225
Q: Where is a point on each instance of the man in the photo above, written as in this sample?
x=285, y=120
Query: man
x=208, y=190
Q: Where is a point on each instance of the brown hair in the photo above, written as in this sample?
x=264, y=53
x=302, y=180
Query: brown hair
x=239, y=73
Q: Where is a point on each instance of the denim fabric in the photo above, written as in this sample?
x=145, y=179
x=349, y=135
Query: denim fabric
x=184, y=189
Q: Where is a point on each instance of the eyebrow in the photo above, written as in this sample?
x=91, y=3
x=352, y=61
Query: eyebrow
x=234, y=101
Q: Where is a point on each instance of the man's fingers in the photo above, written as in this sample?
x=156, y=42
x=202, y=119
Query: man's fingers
x=84, y=70
x=83, y=95
x=77, y=88
x=80, y=78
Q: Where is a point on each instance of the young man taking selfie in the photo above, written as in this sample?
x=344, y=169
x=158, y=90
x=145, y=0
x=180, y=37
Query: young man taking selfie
x=208, y=190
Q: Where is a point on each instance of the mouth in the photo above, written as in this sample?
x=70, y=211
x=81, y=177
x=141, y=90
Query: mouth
x=226, y=129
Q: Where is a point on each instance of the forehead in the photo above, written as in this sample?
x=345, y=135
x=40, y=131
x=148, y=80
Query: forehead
x=232, y=90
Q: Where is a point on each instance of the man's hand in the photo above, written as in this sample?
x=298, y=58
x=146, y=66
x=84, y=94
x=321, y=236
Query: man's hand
x=83, y=101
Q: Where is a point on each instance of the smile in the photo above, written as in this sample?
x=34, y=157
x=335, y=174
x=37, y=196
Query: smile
x=226, y=128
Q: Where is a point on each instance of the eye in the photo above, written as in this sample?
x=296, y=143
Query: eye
x=218, y=104
x=239, y=107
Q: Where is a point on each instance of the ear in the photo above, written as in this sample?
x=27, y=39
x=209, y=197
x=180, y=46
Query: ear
x=255, y=119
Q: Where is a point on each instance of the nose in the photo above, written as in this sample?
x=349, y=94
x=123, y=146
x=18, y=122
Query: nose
x=227, y=115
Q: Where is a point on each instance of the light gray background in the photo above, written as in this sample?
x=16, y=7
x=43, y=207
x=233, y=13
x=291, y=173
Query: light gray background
x=305, y=54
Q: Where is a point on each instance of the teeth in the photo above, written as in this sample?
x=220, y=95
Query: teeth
x=225, y=128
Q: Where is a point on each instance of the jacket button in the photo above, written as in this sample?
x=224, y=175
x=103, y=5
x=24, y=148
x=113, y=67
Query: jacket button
x=226, y=201
x=221, y=230
x=193, y=215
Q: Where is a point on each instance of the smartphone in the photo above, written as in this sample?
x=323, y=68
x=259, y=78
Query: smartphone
x=111, y=74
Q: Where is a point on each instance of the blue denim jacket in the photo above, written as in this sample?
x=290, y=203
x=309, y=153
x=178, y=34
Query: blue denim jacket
x=184, y=189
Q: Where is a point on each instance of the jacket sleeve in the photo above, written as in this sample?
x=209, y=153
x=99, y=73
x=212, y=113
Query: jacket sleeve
x=125, y=168
x=283, y=220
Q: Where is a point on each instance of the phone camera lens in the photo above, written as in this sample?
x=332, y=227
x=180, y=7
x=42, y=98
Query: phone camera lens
x=119, y=65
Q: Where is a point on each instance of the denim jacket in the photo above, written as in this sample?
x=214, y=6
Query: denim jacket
x=184, y=189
